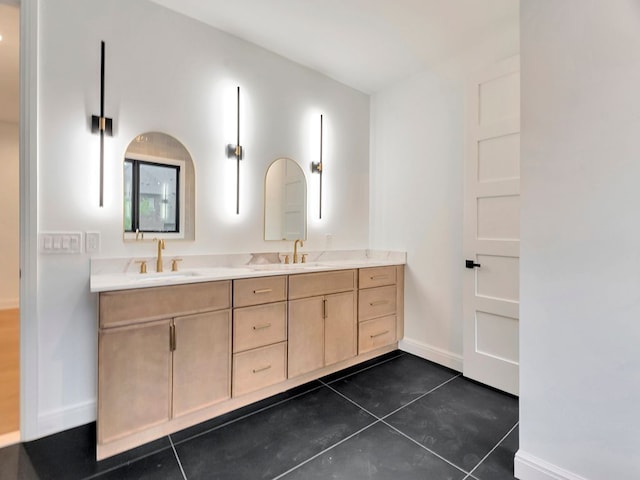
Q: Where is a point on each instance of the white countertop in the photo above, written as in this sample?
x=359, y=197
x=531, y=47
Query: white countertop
x=108, y=274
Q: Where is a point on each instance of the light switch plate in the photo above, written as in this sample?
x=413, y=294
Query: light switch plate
x=60, y=242
x=92, y=242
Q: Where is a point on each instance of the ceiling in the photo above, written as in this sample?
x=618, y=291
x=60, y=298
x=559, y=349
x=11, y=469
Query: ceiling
x=366, y=44
x=9, y=63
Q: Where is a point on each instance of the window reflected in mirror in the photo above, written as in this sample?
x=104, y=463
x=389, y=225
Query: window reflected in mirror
x=159, y=184
x=151, y=197
x=285, y=201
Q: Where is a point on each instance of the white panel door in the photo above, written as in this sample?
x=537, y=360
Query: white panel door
x=294, y=206
x=492, y=227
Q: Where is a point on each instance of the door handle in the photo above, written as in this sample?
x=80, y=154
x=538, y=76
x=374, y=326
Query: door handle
x=471, y=264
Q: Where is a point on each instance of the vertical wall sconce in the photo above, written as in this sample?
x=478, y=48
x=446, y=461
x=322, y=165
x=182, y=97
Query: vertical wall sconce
x=235, y=151
x=316, y=167
x=101, y=124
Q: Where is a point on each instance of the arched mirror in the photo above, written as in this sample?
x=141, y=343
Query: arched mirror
x=159, y=189
x=285, y=201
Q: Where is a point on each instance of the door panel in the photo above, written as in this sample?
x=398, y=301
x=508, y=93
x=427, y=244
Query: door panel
x=135, y=379
x=498, y=278
x=492, y=227
x=499, y=217
x=306, y=336
x=340, y=328
x=499, y=158
x=201, y=361
x=499, y=96
x=497, y=336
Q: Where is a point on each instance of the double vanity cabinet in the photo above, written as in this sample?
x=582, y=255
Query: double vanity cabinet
x=173, y=356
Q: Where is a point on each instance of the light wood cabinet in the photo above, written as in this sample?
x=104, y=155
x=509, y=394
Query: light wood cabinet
x=340, y=327
x=259, y=368
x=152, y=371
x=259, y=333
x=257, y=291
x=322, y=327
x=173, y=356
x=201, y=361
x=125, y=307
x=380, y=303
x=376, y=333
x=306, y=335
x=134, y=379
x=259, y=325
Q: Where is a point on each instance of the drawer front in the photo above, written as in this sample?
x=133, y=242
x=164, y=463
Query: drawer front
x=132, y=306
x=254, y=291
x=376, y=302
x=377, y=276
x=321, y=283
x=376, y=333
x=259, y=326
x=259, y=368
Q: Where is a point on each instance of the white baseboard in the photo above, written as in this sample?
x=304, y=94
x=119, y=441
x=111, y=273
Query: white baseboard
x=434, y=354
x=529, y=467
x=66, y=418
x=9, y=303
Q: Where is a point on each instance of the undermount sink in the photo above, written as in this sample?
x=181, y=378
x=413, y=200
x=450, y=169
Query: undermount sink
x=163, y=276
x=286, y=266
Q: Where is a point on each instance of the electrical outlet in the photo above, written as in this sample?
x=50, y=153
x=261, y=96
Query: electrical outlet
x=92, y=242
x=328, y=241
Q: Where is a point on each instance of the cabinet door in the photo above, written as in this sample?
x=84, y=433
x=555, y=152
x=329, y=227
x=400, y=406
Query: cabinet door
x=306, y=335
x=201, y=361
x=134, y=379
x=340, y=328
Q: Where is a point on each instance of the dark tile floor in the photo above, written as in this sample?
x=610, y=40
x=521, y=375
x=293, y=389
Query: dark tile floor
x=396, y=417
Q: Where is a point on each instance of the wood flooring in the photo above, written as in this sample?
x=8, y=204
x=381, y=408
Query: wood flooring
x=9, y=371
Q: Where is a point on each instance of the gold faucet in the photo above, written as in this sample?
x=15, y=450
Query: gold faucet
x=295, y=250
x=160, y=248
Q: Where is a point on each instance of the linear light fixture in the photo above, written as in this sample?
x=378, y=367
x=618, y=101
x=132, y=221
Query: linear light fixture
x=235, y=151
x=316, y=167
x=101, y=124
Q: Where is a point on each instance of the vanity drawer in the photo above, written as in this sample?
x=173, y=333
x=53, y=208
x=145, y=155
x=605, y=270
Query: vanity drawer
x=321, y=283
x=376, y=333
x=259, y=326
x=145, y=304
x=377, y=276
x=254, y=291
x=376, y=302
x=259, y=368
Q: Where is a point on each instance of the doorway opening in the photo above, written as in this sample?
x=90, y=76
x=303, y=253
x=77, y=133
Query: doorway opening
x=10, y=221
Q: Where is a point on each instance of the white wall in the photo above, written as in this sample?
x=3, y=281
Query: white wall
x=417, y=155
x=168, y=73
x=580, y=254
x=9, y=216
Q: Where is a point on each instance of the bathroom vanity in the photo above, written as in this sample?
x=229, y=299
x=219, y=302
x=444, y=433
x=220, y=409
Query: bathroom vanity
x=177, y=349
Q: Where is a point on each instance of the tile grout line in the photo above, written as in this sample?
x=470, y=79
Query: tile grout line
x=492, y=450
x=425, y=448
x=328, y=385
x=420, y=397
x=352, y=401
x=225, y=424
x=367, y=368
x=325, y=450
x=184, y=475
x=382, y=420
